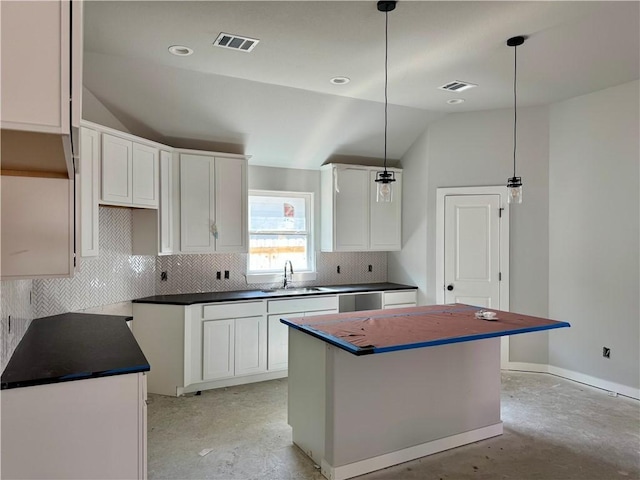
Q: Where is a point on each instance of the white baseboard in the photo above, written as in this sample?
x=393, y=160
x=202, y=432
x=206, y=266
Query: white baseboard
x=394, y=458
x=576, y=377
x=596, y=382
x=528, y=367
x=233, y=381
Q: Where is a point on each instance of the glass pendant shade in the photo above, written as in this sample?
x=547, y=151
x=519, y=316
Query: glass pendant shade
x=514, y=189
x=384, y=186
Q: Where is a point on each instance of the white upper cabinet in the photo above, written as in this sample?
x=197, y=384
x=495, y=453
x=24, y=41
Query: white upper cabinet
x=213, y=204
x=89, y=175
x=153, y=230
x=41, y=65
x=129, y=173
x=37, y=227
x=231, y=197
x=352, y=219
x=36, y=66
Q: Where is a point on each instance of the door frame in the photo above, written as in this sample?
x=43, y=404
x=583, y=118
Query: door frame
x=501, y=190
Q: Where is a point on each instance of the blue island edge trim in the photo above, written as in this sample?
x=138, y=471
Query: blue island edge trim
x=431, y=343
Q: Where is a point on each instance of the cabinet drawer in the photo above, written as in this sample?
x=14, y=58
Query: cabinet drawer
x=232, y=310
x=328, y=302
x=397, y=298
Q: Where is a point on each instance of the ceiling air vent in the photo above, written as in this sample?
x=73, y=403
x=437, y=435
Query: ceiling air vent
x=235, y=42
x=457, y=86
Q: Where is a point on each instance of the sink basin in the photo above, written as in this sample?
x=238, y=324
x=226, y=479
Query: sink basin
x=296, y=291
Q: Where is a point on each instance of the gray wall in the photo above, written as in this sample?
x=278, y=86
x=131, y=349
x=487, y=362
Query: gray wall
x=474, y=149
x=593, y=234
x=95, y=111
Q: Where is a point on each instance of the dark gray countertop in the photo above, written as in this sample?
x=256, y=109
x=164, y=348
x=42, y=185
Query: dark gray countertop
x=212, y=297
x=73, y=346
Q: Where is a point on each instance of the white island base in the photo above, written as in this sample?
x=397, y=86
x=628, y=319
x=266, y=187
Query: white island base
x=357, y=414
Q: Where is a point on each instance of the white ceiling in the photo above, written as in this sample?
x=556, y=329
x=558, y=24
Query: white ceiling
x=276, y=103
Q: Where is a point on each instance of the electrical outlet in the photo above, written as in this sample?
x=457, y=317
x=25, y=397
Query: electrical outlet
x=338, y=269
x=371, y=268
x=606, y=352
x=226, y=274
x=218, y=275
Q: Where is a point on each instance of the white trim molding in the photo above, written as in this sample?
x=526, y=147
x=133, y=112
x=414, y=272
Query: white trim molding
x=355, y=469
x=595, y=382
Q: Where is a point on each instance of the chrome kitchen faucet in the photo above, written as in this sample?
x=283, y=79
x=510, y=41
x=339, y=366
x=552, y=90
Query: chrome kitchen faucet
x=287, y=281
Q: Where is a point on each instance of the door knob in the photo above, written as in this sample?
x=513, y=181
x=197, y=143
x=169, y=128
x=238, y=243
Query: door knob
x=450, y=287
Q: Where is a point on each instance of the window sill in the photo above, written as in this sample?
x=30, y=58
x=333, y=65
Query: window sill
x=255, y=278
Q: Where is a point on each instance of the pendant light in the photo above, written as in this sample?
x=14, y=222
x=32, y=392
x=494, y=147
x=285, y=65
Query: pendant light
x=384, y=180
x=514, y=184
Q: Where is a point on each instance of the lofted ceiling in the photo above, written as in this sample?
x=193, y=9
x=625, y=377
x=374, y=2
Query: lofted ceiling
x=276, y=103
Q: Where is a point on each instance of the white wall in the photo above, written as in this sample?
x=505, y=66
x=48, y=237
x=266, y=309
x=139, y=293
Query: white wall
x=474, y=149
x=593, y=234
x=410, y=266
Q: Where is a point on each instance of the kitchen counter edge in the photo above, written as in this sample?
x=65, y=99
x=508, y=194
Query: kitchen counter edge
x=73, y=346
x=245, y=295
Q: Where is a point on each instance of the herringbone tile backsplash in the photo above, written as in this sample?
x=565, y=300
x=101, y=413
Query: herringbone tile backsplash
x=118, y=276
x=197, y=273
x=15, y=301
x=113, y=276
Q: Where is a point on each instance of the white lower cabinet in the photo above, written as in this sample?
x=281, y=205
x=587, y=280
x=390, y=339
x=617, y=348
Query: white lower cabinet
x=205, y=346
x=400, y=299
x=218, y=349
x=90, y=429
x=278, y=351
x=278, y=344
x=224, y=342
x=233, y=347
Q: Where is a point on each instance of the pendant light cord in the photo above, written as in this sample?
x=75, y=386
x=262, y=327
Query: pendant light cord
x=515, y=102
x=386, y=81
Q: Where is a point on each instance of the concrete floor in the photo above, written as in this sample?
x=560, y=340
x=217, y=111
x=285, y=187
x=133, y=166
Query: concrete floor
x=553, y=429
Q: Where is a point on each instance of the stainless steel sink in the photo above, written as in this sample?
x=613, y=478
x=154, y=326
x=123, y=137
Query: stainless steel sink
x=296, y=291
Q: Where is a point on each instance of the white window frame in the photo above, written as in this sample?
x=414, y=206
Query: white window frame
x=298, y=276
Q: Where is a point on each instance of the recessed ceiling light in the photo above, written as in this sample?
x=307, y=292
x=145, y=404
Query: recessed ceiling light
x=180, y=50
x=455, y=101
x=340, y=80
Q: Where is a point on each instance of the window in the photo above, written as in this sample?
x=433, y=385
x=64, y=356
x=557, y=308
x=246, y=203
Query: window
x=280, y=229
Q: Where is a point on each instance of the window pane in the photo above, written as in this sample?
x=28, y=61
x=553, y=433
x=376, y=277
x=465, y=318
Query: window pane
x=277, y=213
x=270, y=252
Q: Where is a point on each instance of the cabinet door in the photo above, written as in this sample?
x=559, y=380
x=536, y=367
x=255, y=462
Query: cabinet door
x=351, y=215
x=165, y=213
x=117, y=181
x=35, y=66
x=144, y=176
x=217, y=349
x=89, y=188
x=231, y=204
x=278, y=344
x=197, y=215
x=37, y=227
x=385, y=219
x=250, y=345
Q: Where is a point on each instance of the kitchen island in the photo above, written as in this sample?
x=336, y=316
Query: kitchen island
x=74, y=401
x=368, y=390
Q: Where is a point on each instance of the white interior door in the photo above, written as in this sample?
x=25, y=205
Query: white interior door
x=472, y=250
